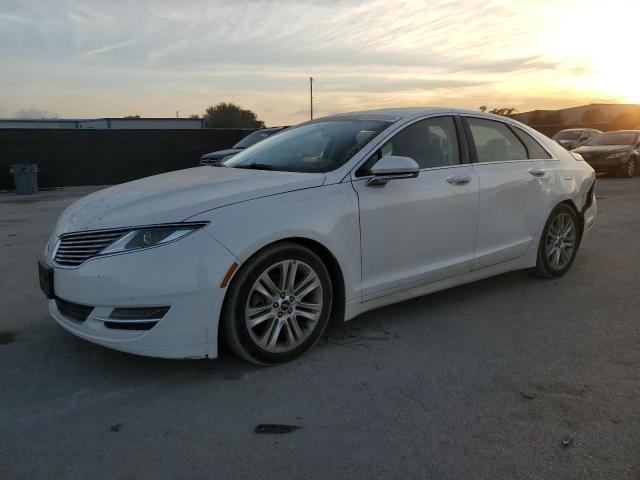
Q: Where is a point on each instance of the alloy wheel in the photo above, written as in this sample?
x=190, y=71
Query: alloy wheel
x=284, y=306
x=631, y=168
x=561, y=241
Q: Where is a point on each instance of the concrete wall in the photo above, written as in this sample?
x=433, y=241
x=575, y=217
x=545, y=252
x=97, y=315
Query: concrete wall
x=113, y=123
x=102, y=157
x=142, y=123
x=551, y=130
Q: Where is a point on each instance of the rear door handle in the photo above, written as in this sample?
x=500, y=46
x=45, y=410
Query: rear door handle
x=458, y=180
x=537, y=172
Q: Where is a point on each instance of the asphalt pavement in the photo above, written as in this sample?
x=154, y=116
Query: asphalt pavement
x=510, y=377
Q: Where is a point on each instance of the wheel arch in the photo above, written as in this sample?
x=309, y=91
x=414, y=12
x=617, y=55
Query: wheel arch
x=328, y=258
x=577, y=211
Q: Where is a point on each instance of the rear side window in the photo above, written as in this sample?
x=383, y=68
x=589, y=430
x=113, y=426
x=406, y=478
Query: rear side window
x=534, y=149
x=495, y=142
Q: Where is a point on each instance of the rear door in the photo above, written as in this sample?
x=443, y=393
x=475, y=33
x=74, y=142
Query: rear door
x=515, y=189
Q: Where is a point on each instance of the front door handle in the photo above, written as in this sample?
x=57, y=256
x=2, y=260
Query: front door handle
x=459, y=180
x=537, y=172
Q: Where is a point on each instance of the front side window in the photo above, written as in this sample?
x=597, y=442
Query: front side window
x=317, y=146
x=495, y=142
x=431, y=143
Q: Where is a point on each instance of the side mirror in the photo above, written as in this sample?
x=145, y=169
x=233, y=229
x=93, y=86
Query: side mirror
x=392, y=167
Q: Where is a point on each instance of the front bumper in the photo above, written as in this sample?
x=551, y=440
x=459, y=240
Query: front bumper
x=604, y=164
x=184, y=275
x=590, y=209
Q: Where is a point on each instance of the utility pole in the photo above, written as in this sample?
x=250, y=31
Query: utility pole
x=311, y=95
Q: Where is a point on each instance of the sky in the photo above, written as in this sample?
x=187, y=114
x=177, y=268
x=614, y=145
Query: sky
x=87, y=59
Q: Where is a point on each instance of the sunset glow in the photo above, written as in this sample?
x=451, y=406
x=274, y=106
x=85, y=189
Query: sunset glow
x=93, y=59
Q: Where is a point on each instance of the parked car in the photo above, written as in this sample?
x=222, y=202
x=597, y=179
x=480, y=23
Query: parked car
x=614, y=152
x=328, y=219
x=574, y=137
x=216, y=158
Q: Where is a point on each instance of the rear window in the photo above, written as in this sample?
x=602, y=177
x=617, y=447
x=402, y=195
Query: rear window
x=495, y=142
x=534, y=149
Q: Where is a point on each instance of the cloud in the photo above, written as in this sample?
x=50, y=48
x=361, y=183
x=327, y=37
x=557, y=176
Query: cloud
x=105, y=49
x=32, y=112
x=90, y=58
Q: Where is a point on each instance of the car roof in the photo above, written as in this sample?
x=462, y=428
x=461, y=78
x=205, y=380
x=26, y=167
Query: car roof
x=408, y=113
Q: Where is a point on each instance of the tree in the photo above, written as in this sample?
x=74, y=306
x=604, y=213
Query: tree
x=504, y=111
x=230, y=115
x=132, y=116
x=483, y=108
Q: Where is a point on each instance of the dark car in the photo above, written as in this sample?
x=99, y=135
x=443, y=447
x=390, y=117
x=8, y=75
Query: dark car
x=215, y=158
x=613, y=152
x=574, y=137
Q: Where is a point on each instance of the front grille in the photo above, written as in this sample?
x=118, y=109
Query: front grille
x=74, y=311
x=77, y=248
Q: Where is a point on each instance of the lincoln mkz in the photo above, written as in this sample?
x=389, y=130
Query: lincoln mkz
x=323, y=221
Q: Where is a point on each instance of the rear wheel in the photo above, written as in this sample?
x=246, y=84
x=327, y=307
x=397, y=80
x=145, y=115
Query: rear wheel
x=279, y=305
x=559, y=243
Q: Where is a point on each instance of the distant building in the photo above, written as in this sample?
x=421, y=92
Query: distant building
x=606, y=112
x=106, y=123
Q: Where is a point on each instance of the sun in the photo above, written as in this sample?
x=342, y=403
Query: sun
x=608, y=58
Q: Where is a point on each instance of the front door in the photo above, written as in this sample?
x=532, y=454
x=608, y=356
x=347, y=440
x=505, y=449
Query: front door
x=418, y=230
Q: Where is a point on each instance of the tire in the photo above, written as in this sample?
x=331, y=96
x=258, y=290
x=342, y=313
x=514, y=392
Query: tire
x=270, y=322
x=558, y=245
x=630, y=169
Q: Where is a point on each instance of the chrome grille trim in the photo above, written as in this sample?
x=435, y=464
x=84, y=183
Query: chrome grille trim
x=76, y=248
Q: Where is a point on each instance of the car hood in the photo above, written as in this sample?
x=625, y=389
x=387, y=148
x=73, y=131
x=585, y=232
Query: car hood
x=220, y=154
x=597, y=150
x=568, y=143
x=176, y=196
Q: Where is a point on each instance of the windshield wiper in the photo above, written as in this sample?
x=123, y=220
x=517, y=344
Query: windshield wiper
x=256, y=166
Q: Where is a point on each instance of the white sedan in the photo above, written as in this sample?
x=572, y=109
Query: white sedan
x=324, y=221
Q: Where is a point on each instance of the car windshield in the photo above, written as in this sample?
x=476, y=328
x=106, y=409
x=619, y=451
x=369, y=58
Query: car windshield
x=317, y=146
x=615, y=138
x=254, y=138
x=568, y=135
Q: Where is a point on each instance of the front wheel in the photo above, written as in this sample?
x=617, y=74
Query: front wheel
x=559, y=243
x=630, y=169
x=279, y=304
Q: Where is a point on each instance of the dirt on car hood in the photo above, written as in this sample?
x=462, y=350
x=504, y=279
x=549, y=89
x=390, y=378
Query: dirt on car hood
x=176, y=196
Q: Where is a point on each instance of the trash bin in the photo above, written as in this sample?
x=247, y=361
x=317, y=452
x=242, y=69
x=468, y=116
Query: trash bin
x=25, y=178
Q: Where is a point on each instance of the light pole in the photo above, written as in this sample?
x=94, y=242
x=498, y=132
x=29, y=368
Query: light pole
x=311, y=95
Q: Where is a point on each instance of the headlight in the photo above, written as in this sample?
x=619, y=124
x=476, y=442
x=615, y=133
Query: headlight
x=617, y=155
x=151, y=236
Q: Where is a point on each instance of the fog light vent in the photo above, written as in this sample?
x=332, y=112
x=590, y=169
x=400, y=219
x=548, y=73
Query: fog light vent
x=139, y=313
x=131, y=325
